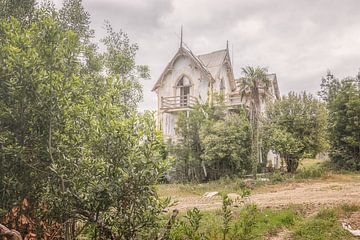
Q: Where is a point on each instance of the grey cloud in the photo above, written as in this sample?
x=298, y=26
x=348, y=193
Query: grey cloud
x=299, y=40
x=140, y=17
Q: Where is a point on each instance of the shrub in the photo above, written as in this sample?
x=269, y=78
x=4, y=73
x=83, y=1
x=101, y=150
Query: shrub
x=189, y=227
x=277, y=177
x=314, y=171
x=310, y=173
x=245, y=227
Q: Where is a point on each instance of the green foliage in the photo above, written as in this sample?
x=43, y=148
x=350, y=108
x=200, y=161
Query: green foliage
x=23, y=10
x=245, y=223
x=316, y=171
x=323, y=226
x=188, y=151
x=71, y=140
x=213, y=143
x=227, y=215
x=245, y=227
x=343, y=102
x=189, y=227
x=227, y=145
x=295, y=127
x=74, y=17
x=277, y=177
x=250, y=223
x=255, y=91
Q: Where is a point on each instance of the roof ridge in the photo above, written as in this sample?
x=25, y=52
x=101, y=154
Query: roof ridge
x=221, y=50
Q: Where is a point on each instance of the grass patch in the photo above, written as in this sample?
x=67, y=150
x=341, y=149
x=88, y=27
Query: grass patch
x=249, y=222
x=323, y=226
x=310, y=169
x=270, y=221
x=246, y=223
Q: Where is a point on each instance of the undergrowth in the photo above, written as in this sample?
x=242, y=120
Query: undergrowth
x=251, y=223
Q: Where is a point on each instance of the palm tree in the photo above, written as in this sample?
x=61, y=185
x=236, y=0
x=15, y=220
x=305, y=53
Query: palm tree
x=255, y=89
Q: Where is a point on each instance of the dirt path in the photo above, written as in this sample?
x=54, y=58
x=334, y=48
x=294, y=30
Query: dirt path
x=309, y=193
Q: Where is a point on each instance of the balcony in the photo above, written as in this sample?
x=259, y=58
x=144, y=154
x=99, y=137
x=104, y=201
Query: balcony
x=233, y=100
x=177, y=103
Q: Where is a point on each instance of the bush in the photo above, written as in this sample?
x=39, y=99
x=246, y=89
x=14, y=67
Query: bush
x=213, y=144
x=277, y=177
x=310, y=173
x=317, y=170
x=189, y=227
x=245, y=227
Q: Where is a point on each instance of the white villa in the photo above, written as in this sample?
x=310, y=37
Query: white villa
x=189, y=78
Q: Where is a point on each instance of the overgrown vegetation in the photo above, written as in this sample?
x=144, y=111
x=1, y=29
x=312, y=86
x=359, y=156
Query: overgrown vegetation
x=73, y=148
x=213, y=144
x=250, y=223
x=256, y=89
x=295, y=127
x=342, y=98
x=324, y=225
x=78, y=159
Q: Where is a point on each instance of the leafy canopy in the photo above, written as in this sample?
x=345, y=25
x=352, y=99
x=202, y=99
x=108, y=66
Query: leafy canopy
x=295, y=127
x=72, y=145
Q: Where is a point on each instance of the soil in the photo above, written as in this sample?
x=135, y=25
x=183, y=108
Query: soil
x=313, y=194
x=353, y=220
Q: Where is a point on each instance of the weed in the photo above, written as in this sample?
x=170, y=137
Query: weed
x=349, y=208
x=321, y=227
x=227, y=216
x=188, y=227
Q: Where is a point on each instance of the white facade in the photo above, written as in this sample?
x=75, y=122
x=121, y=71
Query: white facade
x=189, y=79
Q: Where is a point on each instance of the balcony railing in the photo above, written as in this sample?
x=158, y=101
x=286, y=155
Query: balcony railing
x=178, y=102
x=233, y=100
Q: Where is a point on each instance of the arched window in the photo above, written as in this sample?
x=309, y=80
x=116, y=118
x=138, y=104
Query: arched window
x=183, y=86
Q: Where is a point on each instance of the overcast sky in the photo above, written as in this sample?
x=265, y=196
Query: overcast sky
x=296, y=39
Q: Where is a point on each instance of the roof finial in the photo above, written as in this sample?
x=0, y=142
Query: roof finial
x=227, y=45
x=181, y=36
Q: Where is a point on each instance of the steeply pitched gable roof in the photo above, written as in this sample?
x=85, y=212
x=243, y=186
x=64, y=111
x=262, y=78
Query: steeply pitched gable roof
x=215, y=60
x=210, y=64
x=182, y=52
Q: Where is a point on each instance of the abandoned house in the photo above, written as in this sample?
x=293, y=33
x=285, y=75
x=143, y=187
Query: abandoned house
x=189, y=79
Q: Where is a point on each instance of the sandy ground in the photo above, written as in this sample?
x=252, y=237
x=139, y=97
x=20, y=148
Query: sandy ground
x=311, y=193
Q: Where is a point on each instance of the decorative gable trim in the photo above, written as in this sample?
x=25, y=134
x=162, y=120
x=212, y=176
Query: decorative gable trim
x=182, y=52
